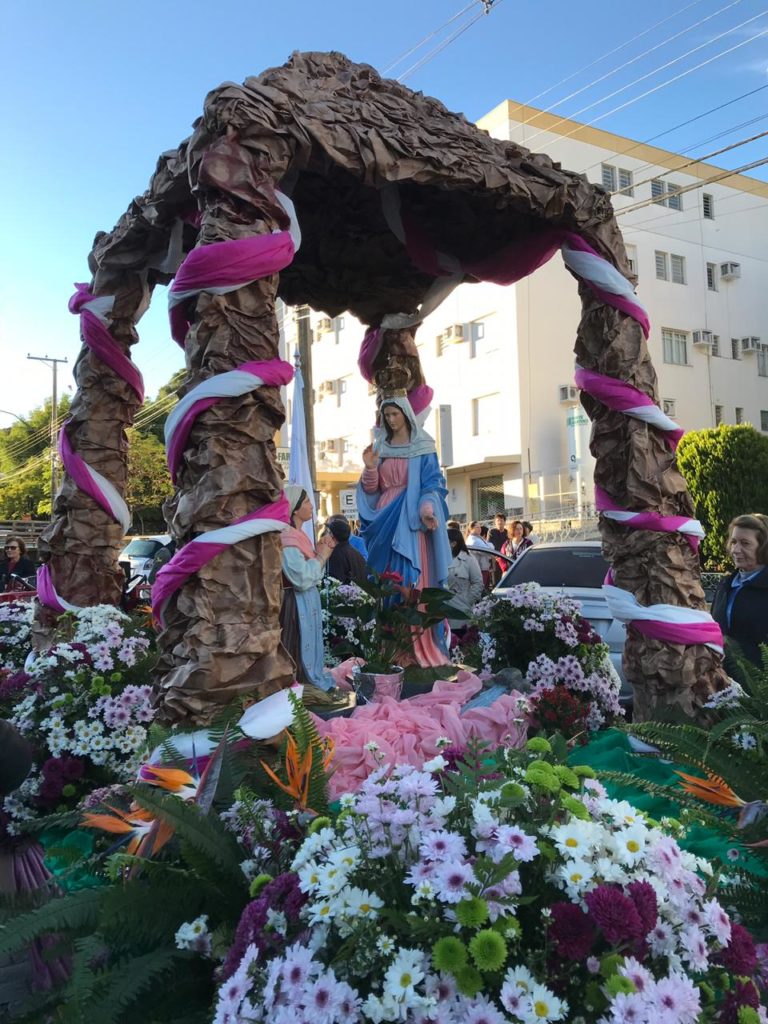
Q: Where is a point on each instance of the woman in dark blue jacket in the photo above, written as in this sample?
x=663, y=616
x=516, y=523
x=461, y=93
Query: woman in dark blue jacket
x=740, y=606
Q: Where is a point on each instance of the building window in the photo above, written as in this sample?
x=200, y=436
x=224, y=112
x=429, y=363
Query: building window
x=712, y=277
x=632, y=258
x=662, y=266
x=485, y=414
x=764, y=420
x=675, y=345
x=735, y=348
x=677, y=265
x=762, y=361
x=708, y=202
x=609, y=177
x=617, y=179
x=718, y=415
x=739, y=414
x=662, y=192
x=625, y=182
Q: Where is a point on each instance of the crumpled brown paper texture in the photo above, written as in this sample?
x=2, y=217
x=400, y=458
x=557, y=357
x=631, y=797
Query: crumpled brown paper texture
x=333, y=133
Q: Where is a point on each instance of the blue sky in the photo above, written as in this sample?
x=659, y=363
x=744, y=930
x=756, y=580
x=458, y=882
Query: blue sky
x=91, y=93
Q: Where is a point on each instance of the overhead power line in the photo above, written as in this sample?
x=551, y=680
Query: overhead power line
x=488, y=7
x=427, y=37
x=689, y=163
x=690, y=188
x=655, y=71
x=662, y=85
x=674, y=128
x=633, y=60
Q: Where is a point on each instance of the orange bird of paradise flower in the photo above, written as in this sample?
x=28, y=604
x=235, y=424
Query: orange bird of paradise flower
x=139, y=824
x=712, y=790
x=174, y=780
x=299, y=769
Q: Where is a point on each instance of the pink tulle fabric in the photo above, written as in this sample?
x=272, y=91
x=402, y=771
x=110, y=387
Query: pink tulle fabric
x=407, y=731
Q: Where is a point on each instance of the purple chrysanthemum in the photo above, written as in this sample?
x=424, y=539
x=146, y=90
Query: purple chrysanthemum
x=615, y=914
x=644, y=898
x=571, y=931
x=739, y=956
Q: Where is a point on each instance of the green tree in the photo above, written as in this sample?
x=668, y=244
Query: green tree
x=25, y=463
x=726, y=469
x=149, y=482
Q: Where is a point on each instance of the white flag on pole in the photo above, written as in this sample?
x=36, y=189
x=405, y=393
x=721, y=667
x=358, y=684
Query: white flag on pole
x=298, y=466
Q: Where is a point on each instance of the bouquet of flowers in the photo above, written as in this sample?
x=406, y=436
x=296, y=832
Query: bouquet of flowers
x=508, y=888
x=574, y=685
x=84, y=704
x=376, y=622
x=15, y=636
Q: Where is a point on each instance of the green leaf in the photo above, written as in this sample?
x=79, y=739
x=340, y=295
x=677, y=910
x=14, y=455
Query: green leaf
x=75, y=911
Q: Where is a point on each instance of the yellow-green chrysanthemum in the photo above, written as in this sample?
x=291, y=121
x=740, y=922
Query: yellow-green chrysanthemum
x=472, y=912
x=489, y=950
x=449, y=954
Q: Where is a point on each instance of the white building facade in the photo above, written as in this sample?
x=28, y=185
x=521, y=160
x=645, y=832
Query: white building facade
x=510, y=430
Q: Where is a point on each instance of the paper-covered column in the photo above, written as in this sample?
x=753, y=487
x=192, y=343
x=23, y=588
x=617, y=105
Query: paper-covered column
x=90, y=517
x=221, y=635
x=636, y=470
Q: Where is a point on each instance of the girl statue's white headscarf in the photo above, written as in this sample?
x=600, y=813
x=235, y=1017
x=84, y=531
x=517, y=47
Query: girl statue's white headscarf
x=420, y=444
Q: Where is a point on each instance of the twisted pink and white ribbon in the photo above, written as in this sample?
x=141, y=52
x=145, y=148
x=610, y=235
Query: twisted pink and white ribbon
x=691, y=529
x=622, y=397
x=203, y=549
x=243, y=379
x=223, y=267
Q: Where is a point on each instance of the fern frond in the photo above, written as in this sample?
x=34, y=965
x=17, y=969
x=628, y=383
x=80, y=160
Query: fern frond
x=308, y=738
x=75, y=912
x=204, y=832
x=129, y=981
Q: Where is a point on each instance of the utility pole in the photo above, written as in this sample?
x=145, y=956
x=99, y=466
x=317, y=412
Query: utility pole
x=53, y=363
x=304, y=333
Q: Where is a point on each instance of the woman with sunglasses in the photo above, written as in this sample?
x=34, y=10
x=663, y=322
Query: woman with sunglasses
x=14, y=563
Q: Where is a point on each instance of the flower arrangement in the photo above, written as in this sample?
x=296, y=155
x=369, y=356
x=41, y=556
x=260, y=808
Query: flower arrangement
x=84, y=704
x=15, y=636
x=376, y=622
x=574, y=686
x=511, y=889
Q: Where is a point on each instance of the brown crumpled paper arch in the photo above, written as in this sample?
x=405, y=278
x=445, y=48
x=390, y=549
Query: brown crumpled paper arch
x=332, y=134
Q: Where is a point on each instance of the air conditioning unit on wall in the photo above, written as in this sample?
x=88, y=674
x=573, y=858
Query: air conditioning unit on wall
x=454, y=333
x=751, y=344
x=730, y=271
x=704, y=339
x=324, y=325
x=569, y=394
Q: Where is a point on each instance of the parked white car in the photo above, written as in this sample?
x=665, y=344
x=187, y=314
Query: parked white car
x=573, y=569
x=140, y=552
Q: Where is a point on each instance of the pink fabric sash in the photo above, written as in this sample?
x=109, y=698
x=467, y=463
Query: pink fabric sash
x=272, y=373
x=99, y=340
x=193, y=556
x=224, y=266
x=647, y=520
x=622, y=397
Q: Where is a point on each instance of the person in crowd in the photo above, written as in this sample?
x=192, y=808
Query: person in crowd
x=528, y=531
x=301, y=613
x=498, y=533
x=14, y=563
x=402, y=509
x=465, y=580
x=355, y=540
x=478, y=546
x=453, y=524
x=516, y=542
x=345, y=564
x=163, y=556
x=740, y=605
